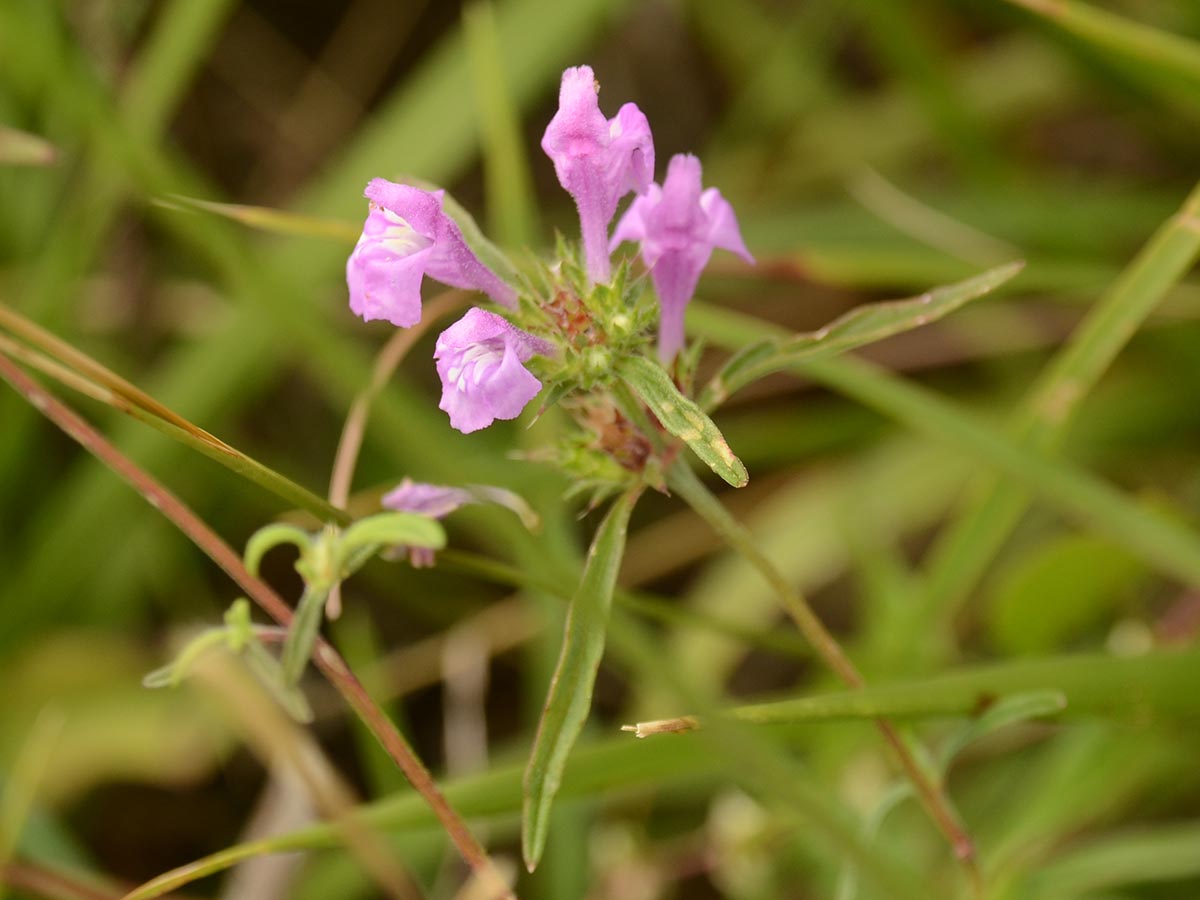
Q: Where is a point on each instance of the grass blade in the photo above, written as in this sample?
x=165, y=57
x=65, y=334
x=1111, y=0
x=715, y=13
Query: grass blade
x=965, y=549
x=512, y=212
x=1152, y=855
x=81, y=373
x=1160, y=540
x=1155, y=685
x=1159, y=51
x=273, y=221
x=570, y=697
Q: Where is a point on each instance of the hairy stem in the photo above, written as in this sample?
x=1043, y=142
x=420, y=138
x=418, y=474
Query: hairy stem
x=328, y=660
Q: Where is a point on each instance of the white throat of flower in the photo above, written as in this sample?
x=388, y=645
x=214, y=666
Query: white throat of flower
x=475, y=363
x=401, y=238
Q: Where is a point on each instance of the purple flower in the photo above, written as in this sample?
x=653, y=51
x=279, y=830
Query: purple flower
x=407, y=236
x=678, y=226
x=597, y=160
x=438, y=501
x=433, y=500
x=480, y=361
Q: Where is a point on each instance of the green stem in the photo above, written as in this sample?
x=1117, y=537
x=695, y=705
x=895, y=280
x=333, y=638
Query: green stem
x=683, y=481
x=302, y=635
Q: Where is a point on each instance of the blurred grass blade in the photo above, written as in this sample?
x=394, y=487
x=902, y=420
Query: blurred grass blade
x=1158, y=51
x=1145, y=688
x=512, y=212
x=1000, y=714
x=265, y=218
x=682, y=417
x=24, y=779
x=20, y=148
x=1153, y=854
x=925, y=223
x=1140, y=689
x=570, y=697
x=81, y=373
x=1159, y=539
x=182, y=37
x=860, y=326
x=965, y=549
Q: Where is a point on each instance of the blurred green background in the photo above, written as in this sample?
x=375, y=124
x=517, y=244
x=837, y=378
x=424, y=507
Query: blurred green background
x=872, y=150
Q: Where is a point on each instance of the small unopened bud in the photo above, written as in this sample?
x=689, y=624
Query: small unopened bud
x=599, y=360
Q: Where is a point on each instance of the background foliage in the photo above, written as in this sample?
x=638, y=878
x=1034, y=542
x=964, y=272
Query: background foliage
x=999, y=521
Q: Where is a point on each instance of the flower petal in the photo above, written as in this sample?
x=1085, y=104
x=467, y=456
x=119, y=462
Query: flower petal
x=723, y=228
x=428, y=499
x=406, y=236
x=632, y=225
x=480, y=362
x=509, y=387
x=384, y=284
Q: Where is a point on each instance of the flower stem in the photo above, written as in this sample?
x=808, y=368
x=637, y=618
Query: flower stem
x=684, y=482
x=326, y=657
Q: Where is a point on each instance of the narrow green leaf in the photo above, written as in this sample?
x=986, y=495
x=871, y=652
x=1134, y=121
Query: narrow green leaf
x=570, y=697
x=1004, y=712
x=267, y=669
x=394, y=528
x=302, y=635
x=860, y=326
x=682, y=417
x=270, y=536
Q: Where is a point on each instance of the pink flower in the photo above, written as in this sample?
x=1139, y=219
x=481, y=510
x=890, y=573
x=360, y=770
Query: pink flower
x=480, y=359
x=678, y=226
x=407, y=236
x=597, y=160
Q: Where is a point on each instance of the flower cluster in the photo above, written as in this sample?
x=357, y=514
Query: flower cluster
x=485, y=359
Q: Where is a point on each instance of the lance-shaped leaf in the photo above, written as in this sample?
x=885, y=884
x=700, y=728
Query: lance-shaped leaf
x=302, y=634
x=682, y=417
x=570, y=697
x=860, y=326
